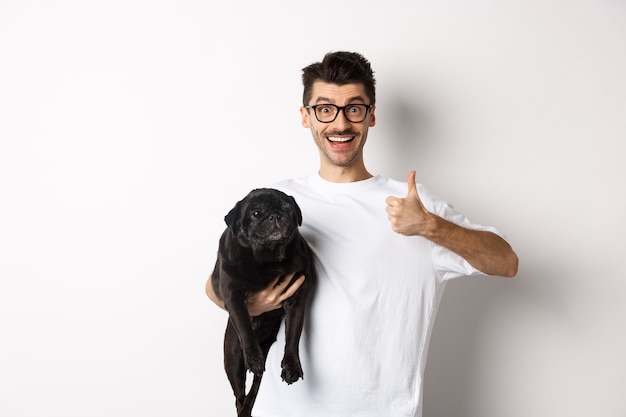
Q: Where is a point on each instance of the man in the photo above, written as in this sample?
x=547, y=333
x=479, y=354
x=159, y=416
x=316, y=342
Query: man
x=384, y=251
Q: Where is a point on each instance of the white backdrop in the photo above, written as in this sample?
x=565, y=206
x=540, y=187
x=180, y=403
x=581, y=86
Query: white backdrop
x=129, y=128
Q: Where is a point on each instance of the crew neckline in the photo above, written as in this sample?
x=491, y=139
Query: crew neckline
x=345, y=187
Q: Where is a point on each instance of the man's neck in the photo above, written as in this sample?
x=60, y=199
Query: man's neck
x=344, y=174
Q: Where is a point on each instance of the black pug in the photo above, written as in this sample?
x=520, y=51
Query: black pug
x=262, y=242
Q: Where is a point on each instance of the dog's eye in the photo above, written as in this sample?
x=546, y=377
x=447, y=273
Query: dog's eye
x=256, y=214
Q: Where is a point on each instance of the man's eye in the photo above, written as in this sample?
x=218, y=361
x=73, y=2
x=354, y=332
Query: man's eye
x=325, y=109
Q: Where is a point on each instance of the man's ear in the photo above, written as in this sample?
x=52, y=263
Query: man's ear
x=372, y=116
x=306, y=117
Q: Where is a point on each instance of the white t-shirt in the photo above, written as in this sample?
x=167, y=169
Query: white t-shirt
x=364, y=345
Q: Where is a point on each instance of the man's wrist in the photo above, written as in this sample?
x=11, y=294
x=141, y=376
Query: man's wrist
x=433, y=227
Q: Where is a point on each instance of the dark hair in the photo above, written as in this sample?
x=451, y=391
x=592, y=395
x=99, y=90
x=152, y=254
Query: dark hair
x=340, y=68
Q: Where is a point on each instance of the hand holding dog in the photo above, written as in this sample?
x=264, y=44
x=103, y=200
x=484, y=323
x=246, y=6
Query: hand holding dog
x=268, y=299
x=407, y=215
x=272, y=297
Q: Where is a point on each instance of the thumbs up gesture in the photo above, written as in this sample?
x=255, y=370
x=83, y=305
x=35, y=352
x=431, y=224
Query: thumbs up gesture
x=407, y=215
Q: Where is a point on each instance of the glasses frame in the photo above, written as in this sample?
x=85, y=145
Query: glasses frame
x=341, y=109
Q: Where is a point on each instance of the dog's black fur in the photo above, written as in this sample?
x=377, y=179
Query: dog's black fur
x=261, y=242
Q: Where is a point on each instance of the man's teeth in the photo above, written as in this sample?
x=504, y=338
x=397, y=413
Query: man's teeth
x=340, y=138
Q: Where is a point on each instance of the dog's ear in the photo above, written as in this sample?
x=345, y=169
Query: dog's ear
x=297, y=213
x=233, y=218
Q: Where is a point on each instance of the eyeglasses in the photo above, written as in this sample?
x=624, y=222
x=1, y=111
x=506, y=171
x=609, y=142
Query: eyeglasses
x=327, y=113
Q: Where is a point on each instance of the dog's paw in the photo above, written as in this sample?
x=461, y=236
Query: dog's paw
x=292, y=370
x=254, y=360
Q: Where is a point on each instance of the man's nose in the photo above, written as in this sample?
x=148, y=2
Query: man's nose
x=341, y=119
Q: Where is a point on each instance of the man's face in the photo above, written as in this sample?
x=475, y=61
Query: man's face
x=340, y=142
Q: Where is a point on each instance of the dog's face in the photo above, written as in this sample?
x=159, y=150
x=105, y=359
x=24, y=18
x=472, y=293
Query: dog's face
x=266, y=220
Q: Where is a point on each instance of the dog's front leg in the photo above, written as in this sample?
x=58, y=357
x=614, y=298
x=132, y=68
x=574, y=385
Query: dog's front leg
x=238, y=314
x=234, y=364
x=294, y=323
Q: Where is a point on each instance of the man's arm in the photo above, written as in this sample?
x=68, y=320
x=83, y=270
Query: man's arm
x=484, y=250
x=271, y=298
x=211, y=294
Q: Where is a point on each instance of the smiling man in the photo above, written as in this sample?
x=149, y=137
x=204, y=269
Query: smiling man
x=384, y=251
x=341, y=128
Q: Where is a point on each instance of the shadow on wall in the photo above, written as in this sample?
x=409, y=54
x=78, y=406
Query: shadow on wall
x=403, y=137
x=454, y=347
x=474, y=314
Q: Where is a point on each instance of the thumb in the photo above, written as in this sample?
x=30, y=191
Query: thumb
x=412, y=188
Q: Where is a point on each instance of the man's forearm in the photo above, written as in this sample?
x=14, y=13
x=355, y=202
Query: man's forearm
x=484, y=250
x=211, y=294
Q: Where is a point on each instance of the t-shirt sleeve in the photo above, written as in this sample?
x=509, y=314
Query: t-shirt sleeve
x=448, y=264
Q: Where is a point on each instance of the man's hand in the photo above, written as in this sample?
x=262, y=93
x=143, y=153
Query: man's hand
x=407, y=215
x=272, y=297
x=268, y=299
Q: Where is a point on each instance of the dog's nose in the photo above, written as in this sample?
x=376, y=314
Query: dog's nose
x=275, y=216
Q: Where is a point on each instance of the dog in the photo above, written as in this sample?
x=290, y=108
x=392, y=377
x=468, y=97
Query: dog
x=262, y=241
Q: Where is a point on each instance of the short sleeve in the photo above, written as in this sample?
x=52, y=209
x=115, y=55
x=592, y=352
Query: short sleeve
x=448, y=264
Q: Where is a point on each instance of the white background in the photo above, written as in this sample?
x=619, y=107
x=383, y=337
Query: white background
x=129, y=128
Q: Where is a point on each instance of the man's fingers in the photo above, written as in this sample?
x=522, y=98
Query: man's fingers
x=390, y=200
x=293, y=288
x=275, y=282
x=282, y=281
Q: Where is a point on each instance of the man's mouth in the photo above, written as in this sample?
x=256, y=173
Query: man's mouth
x=340, y=139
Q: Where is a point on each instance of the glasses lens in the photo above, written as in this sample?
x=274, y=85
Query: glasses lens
x=355, y=112
x=326, y=112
